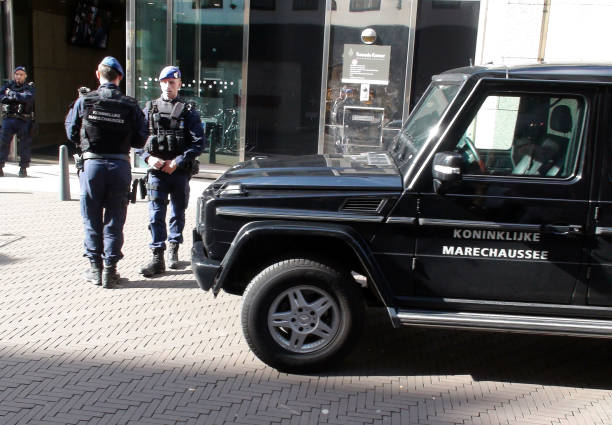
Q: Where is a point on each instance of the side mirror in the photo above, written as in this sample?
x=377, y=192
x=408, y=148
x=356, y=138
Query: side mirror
x=446, y=170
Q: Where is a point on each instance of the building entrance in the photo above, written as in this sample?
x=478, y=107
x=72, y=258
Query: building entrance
x=61, y=43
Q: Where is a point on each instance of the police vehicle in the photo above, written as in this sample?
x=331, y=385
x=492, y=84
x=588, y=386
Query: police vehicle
x=491, y=210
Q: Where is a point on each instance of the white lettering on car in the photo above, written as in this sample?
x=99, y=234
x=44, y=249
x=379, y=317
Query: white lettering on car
x=472, y=251
x=495, y=235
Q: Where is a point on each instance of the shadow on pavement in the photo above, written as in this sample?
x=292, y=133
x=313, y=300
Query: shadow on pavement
x=5, y=259
x=486, y=356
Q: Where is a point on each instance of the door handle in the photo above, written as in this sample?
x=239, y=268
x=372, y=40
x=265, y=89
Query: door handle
x=563, y=229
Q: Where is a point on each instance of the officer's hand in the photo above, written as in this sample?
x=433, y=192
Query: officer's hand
x=155, y=162
x=169, y=167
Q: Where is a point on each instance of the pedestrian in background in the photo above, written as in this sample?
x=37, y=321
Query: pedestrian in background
x=174, y=143
x=17, y=100
x=105, y=124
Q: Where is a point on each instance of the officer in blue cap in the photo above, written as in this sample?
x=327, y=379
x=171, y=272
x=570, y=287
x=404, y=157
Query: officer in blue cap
x=104, y=124
x=17, y=100
x=174, y=143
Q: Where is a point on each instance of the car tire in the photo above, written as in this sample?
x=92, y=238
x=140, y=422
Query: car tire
x=299, y=315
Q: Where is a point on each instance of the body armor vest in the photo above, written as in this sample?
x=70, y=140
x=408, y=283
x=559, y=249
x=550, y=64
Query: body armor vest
x=166, y=128
x=106, y=127
x=16, y=109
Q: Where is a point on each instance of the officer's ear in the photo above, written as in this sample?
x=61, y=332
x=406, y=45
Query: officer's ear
x=97, y=74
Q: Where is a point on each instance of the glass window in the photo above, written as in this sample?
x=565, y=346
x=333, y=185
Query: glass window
x=204, y=39
x=150, y=54
x=207, y=46
x=305, y=4
x=351, y=86
x=2, y=47
x=363, y=5
x=523, y=135
x=263, y=4
x=422, y=123
x=208, y=4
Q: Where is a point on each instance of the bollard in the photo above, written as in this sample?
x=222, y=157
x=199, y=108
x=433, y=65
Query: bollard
x=212, y=146
x=64, y=177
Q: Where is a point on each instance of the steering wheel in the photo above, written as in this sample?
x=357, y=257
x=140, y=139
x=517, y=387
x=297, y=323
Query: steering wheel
x=467, y=149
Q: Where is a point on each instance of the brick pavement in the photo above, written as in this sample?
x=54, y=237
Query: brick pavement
x=161, y=351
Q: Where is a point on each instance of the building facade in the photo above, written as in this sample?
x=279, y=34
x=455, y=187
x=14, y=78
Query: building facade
x=291, y=77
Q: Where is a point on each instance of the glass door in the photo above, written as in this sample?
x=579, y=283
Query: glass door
x=366, y=73
x=204, y=38
x=207, y=46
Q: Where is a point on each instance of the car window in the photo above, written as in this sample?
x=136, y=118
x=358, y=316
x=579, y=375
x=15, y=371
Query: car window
x=523, y=135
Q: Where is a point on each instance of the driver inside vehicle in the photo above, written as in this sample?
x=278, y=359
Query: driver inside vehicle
x=523, y=148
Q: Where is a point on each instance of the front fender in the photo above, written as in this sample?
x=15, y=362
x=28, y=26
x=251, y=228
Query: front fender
x=258, y=229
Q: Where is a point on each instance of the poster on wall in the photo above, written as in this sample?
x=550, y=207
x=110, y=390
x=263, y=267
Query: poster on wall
x=366, y=64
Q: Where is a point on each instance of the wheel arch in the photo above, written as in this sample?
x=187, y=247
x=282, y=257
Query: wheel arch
x=335, y=244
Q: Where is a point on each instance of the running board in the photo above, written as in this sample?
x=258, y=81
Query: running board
x=502, y=322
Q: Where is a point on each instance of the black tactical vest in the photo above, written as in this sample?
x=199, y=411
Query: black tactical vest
x=16, y=109
x=166, y=128
x=106, y=126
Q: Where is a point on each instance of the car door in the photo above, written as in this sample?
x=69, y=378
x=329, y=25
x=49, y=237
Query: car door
x=513, y=228
x=599, y=272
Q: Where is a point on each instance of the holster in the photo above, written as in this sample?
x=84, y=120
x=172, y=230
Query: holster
x=133, y=191
x=78, y=161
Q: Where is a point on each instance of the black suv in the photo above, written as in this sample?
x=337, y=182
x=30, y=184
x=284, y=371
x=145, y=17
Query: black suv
x=490, y=210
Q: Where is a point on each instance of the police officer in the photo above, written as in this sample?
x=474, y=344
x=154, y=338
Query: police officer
x=174, y=142
x=104, y=124
x=17, y=100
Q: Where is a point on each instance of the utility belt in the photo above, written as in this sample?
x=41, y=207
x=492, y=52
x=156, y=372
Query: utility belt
x=92, y=155
x=79, y=158
x=16, y=111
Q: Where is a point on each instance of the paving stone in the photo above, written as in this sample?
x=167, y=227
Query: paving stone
x=161, y=351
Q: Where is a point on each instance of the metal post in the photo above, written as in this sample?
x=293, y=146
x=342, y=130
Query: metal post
x=64, y=177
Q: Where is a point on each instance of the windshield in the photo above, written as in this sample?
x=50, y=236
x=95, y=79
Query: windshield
x=422, y=123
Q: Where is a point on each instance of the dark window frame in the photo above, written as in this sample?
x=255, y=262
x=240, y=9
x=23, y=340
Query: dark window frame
x=364, y=5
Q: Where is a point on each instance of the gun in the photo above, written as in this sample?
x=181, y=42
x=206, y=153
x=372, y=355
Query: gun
x=142, y=184
x=133, y=192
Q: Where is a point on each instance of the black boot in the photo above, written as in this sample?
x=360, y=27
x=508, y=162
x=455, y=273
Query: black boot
x=173, y=255
x=110, y=277
x=94, y=273
x=1, y=172
x=156, y=266
x=23, y=172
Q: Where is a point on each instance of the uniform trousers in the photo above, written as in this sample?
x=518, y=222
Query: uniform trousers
x=10, y=127
x=105, y=185
x=160, y=185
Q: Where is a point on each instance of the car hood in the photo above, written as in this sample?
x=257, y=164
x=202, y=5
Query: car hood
x=366, y=171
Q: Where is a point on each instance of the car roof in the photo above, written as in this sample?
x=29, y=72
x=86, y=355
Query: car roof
x=567, y=72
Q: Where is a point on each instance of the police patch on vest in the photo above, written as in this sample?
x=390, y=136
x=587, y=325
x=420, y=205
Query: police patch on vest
x=105, y=116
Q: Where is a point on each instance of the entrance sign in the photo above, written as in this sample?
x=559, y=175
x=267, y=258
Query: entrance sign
x=366, y=64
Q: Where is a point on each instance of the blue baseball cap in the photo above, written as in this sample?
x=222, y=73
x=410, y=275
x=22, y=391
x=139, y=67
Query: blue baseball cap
x=20, y=68
x=170, y=72
x=113, y=63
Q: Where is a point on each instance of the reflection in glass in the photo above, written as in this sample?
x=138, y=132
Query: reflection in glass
x=380, y=100
x=150, y=24
x=207, y=46
x=423, y=123
x=2, y=47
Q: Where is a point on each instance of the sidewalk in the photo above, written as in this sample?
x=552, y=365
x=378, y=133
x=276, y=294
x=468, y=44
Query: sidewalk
x=162, y=351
